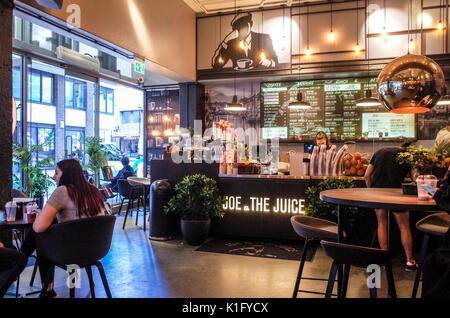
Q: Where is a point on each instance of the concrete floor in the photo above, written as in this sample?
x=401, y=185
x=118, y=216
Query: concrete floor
x=139, y=268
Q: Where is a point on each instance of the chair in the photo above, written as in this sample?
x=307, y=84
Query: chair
x=358, y=256
x=130, y=193
x=81, y=242
x=438, y=225
x=311, y=229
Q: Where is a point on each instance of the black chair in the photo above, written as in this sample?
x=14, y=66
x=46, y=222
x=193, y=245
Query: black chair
x=358, y=256
x=311, y=230
x=437, y=225
x=130, y=193
x=82, y=242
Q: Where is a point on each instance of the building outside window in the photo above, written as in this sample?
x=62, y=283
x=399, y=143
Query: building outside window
x=131, y=117
x=40, y=88
x=76, y=92
x=106, y=100
x=42, y=135
x=75, y=142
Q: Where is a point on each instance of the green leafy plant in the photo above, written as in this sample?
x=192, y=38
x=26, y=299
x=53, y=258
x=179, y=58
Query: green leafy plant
x=320, y=209
x=97, y=157
x=196, y=198
x=426, y=159
x=35, y=182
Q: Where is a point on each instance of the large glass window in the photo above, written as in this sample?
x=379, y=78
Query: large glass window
x=17, y=93
x=76, y=92
x=40, y=87
x=75, y=142
x=42, y=135
x=131, y=117
x=106, y=100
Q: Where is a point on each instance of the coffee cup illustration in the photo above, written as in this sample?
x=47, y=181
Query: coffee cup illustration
x=244, y=63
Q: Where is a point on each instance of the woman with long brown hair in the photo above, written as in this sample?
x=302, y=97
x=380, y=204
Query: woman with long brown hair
x=74, y=198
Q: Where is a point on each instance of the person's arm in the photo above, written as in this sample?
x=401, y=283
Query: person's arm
x=45, y=219
x=368, y=175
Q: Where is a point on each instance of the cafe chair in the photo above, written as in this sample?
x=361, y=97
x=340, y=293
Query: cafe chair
x=130, y=193
x=357, y=256
x=83, y=242
x=437, y=225
x=311, y=230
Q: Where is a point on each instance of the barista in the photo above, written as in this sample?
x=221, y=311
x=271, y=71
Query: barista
x=322, y=139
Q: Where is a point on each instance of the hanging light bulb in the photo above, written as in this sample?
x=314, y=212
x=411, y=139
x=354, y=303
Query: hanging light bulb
x=411, y=45
x=440, y=25
x=243, y=45
x=308, y=52
x=152, y=119
x=299, y=104
x=166, y=118
x=155, y=133
x=169, y=133
x=357, y=48
x=368, y=100
x=235, y=106
x=331, y=36
x=263, y=56
x=220, y=60
x=283, y=44
x=384, y=35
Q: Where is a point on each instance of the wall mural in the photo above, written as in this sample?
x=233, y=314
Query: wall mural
x=244, y=42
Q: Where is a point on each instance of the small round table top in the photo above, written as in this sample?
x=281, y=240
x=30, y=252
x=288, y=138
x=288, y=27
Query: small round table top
x=139, y=181
x=17, y=224
x=377, y=198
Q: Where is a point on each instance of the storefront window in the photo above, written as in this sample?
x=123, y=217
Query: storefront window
x=44, y=136
x=106, y=100
x=40, y=88
x=75, y=94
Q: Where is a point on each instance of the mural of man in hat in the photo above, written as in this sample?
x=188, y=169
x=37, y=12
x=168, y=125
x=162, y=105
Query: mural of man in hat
x=245, y=48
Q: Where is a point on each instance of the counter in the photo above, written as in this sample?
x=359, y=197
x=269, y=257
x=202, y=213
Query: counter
x=261, y=205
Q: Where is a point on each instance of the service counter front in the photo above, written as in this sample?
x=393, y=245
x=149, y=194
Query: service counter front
x=261, y=205
x=258, y=206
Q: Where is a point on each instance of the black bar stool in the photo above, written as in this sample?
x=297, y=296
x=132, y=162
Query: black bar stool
x=311, y=229
x=437, y=224
x=358, y=256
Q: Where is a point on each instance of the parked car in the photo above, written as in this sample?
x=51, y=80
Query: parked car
x=112, y=151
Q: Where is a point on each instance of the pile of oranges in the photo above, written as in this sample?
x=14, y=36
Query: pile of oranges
x=355, y=165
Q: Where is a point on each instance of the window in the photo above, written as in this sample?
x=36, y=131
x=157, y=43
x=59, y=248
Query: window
x=17, y=78
x=40, y=87
x=131, y=117
x=75, y=142
x=76, y=92
x=42, y=135
x=106, y=100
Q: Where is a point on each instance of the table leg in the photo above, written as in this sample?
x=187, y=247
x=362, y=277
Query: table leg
x=339, y=210
x=389, y=229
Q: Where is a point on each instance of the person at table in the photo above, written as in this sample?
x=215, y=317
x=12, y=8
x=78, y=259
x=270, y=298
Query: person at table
x=385, y=172
x=74, y=198
x=12, y=263
x=125, y=172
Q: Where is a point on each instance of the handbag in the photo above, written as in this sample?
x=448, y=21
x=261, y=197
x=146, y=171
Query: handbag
x=442, y=195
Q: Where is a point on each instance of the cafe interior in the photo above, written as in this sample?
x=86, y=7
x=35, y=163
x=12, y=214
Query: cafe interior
x=224, y=149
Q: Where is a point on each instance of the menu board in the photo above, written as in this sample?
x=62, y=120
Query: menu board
x=333, y=110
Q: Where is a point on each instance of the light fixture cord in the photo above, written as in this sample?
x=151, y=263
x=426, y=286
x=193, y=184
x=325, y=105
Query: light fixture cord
x=331, y=15
x=307, y=26
x=357, y=22
x=384, y=5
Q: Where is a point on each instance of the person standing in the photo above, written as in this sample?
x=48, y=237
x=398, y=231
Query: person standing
x=385, y=172
x=443, y=136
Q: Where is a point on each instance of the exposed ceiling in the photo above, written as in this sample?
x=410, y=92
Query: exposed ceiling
x=214, y=6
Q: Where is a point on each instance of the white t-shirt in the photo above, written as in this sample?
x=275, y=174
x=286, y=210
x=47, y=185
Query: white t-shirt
x=442, y=136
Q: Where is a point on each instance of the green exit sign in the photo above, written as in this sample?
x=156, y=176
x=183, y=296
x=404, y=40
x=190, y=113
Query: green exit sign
x=139, y=67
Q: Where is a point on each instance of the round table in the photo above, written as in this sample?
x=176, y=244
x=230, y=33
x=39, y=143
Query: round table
x=375, y=198
x=145, y=183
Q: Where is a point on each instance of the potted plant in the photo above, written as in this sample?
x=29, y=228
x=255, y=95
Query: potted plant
x=97, y=157
x=427, y=161
x=196, y=200
x=36, y=182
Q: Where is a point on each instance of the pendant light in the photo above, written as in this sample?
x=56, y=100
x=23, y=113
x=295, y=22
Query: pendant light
x=308, y=51
x=331, y=36
x=283, y=41
x=440, y=25
x=299, y=103
x=384, y=35
x=357, y=46
x=368, y=100
x=235, y=106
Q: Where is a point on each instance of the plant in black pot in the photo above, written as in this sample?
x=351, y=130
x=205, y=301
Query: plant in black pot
x=196, y=200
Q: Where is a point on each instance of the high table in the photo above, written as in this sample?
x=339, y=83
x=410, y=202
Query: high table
x=375, y=198
x=145, y=183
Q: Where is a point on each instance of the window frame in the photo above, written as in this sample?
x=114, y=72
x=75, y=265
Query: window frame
x=104, y=92
x=74, y=82
x=32, y=72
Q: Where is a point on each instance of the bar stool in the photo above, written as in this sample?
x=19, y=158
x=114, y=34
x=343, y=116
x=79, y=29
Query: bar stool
x=437, y=224
x=358, y=256
x=311, y=229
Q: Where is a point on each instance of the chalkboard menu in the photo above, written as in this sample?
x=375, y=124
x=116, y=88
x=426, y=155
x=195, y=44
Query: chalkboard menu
x=333, y=111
